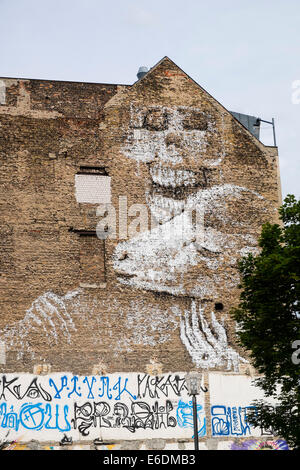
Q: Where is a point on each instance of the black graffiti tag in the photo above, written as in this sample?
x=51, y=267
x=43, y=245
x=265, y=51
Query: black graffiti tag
x=33, y=391
x=139, y=415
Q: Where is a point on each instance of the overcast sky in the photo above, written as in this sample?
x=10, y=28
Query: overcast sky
x=244, y=53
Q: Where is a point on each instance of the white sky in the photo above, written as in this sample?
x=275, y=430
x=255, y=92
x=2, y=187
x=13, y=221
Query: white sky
x=244, y=53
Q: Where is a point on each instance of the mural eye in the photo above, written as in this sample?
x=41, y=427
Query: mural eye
x=156, y=120
x=137, y=118
x=194, y=121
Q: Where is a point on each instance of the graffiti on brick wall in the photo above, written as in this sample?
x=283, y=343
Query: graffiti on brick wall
x=86, y=405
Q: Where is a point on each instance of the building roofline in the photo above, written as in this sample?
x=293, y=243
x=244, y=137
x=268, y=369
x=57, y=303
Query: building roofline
x=63, y=81
x=138, y=81
x=256, y=140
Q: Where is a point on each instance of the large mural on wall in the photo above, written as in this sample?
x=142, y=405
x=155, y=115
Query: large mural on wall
x=191, y=251
x=201, y=224
x=181, y=256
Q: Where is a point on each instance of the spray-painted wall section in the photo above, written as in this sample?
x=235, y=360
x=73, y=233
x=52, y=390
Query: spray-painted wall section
x=118, y=406
x=231, y=398
x=133, y=406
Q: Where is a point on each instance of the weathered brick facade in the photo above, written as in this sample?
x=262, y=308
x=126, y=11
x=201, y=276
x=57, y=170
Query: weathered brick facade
x=81, y=305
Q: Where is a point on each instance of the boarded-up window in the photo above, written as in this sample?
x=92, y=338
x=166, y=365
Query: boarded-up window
x=92, y=259
x=92, y=188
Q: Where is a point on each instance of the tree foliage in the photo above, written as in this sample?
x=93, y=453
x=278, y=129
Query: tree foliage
x=268, y=320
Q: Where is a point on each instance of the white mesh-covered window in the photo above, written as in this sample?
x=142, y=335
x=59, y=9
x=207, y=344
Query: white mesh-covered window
x=92, y=188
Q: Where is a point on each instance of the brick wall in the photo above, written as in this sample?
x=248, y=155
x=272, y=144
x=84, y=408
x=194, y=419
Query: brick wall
x=73, y=301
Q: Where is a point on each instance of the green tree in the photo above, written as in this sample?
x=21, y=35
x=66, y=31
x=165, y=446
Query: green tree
x=268, y=320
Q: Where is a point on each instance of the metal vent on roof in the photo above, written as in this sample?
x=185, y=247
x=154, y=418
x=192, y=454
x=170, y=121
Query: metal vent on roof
x=141, y=72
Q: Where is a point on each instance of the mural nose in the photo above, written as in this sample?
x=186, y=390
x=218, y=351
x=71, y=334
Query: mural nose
x=173, y=139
